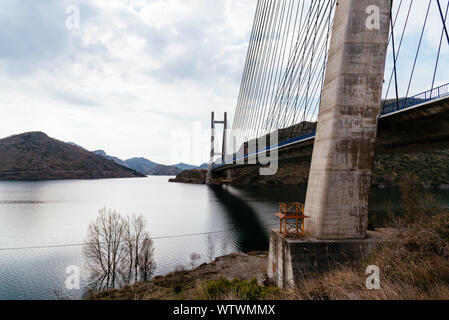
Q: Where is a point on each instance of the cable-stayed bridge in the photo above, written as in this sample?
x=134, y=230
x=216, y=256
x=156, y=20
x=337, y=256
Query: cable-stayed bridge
x=338, y=81
x=419, y=123
x=283, y=79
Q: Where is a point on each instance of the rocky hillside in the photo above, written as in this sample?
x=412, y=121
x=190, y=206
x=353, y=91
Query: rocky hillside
x=161, y=170
x=141, y=164
x=432, y=168
x=191, y=176
x=147, y=167
x=35, y=156
x=115, y=159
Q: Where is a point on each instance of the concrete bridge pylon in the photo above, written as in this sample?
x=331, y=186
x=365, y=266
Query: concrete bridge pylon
x=340, y=175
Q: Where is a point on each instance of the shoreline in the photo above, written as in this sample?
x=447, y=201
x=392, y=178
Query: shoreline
x=198, y=177
x=182, y=284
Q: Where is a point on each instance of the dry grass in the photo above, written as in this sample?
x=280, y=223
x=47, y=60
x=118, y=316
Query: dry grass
x=183, y=284
x=413, y=266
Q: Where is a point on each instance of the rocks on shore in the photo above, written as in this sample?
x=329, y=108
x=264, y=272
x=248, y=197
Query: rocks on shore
x=235, y=265
x=388, y=171
x=191, y=176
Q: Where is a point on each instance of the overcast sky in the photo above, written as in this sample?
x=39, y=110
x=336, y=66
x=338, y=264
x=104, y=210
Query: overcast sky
x=136, y=75
x=139, y=77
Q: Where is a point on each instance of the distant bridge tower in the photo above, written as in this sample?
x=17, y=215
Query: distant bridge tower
x=224, y=145
x=340, y=175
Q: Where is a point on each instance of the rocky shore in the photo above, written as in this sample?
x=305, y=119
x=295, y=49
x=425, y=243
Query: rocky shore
x=182, y=284
x=432, y=168
x=191, y=176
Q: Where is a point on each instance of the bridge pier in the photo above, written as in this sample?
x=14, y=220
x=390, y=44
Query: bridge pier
x=291, y=259
x=340, y=175
x=223, y=152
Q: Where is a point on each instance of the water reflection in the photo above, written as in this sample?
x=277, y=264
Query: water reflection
x=249, y=232
x=53, y=213
x=273, y=195
x=118, y=251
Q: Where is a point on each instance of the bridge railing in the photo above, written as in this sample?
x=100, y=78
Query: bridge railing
x=439, y=92
x=426, y=96
x=279, y=145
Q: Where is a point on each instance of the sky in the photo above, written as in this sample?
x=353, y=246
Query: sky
x=139, y=78
x=407, y=43
x=136, y=78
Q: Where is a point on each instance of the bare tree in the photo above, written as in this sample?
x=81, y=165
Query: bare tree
x=146, y=260
x=194, y=257
x=415, y=201
x=118, y=250
x=139, y=248
x=411, y=192
x=103, y=247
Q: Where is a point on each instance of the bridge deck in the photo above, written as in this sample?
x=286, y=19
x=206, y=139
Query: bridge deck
x=403, y=127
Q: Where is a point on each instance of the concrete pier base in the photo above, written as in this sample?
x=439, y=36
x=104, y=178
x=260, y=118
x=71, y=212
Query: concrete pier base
x=292, y=259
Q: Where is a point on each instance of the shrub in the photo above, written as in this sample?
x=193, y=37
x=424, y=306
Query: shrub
x=178, y=287
x=237, y=289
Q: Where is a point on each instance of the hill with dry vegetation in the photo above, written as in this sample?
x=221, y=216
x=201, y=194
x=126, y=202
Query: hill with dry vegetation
x=36, y=156
x=432, y=168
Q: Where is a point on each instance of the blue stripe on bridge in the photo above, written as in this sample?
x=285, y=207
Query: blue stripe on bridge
x=399, y=105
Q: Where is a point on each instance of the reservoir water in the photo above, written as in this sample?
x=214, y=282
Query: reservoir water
x=43, y=225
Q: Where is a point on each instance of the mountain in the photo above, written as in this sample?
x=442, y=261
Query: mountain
x=389, y=170
x=191, y=176
x=184, y=166
x=161, y=170
x=141, y=164
x=146, y=166
x=35, y=156
x=204, y=166
x=76, y=145
x=98, y=152
x=115, y=159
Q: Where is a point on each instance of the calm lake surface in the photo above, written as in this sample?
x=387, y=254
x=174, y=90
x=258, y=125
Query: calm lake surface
x=54, y=216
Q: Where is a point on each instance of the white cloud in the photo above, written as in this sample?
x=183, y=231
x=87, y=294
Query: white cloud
x=138, y=69
x=426, y=60
x=133, y=72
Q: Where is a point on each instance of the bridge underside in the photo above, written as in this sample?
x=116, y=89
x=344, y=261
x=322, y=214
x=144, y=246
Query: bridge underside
x=424, y=127
x=420, y=128
x=347, y=93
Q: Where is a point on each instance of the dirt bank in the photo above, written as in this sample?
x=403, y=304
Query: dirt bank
x=432, y=168
x=182, y=284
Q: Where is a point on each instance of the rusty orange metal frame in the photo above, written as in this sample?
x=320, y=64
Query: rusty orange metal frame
x=287, y=213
